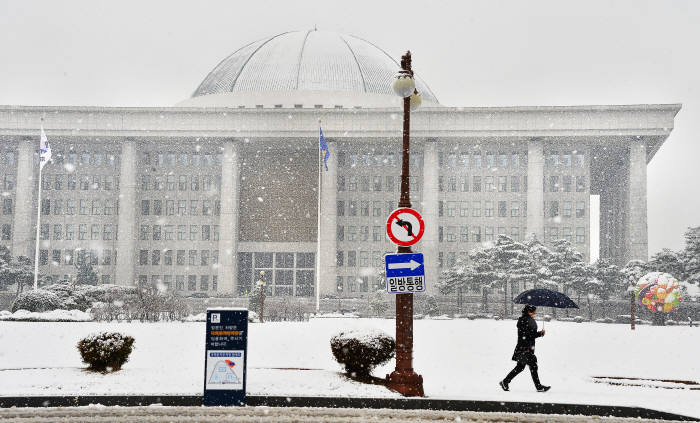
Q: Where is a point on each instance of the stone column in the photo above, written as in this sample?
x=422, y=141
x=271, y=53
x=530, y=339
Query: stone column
x=329, y=194
x=24, y=221
x=635, y=242
x=228, y=219
x=126, y=243
x=535, y=189
x=429, y=246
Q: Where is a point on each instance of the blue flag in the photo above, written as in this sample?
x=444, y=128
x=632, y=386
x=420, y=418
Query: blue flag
x=324, y=148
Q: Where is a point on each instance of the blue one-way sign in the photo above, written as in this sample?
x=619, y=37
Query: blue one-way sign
x=404, y=273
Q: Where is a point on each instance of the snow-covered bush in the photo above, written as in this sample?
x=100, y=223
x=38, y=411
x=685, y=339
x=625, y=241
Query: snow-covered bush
x=360, y=351
x=72, y=297
x=38, y=300
x=604, y=320
x=431, y=306
x=578, y=319
x=547, y=318
x=106, y=351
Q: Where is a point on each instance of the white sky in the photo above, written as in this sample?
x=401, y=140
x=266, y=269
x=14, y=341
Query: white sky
x=475, y=53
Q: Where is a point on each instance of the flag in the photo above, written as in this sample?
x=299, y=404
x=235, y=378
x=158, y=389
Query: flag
x=45, y=149
x=324, y=148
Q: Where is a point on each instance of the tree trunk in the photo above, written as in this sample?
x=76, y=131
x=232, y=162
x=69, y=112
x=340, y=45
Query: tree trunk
x=505, y=299
x=590, y=310
x=484, y=300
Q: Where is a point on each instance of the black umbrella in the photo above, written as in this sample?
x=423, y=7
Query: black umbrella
x=545, y=298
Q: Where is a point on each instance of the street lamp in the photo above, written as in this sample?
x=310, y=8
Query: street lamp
x=403, y=379
x=261, y=285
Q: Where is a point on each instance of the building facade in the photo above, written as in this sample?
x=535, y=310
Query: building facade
x=203, y=196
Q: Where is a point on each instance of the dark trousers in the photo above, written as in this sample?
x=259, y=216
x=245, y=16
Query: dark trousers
x=525, y=359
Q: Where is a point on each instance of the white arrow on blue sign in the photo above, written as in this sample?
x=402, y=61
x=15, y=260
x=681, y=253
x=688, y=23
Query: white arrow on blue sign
x=405, y=273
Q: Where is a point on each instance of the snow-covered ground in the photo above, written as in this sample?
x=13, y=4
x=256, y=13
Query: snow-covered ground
x=459, y=359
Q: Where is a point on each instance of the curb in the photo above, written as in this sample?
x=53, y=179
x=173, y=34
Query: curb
x=330, y=402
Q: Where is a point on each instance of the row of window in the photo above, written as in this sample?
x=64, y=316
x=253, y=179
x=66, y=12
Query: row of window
x=184, y=207
x=356, y=284
x=104, y=279
x=66, y=231
x=78, y=257
x=171, y=158
x=179, y=285
x=364, y=208
x=500, y=208
x=85, y=207
x=179, y=232
x=60, y=182
x=451, y=234
x=83, y=158
x=193, y=258
x=179, y=183
x=377, y=183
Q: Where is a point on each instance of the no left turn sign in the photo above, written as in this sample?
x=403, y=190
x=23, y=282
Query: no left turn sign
x=405, y=227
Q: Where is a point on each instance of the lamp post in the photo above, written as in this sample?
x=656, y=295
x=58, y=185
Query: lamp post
x=261, y=284
x=403, y=379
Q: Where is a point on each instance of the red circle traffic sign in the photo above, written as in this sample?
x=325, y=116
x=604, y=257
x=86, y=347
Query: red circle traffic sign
x=405, y=227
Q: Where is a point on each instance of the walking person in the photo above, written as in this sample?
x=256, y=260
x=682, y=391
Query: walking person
x=524, y=353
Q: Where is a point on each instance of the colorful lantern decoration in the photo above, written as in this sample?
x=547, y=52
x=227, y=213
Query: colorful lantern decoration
x=658, y=292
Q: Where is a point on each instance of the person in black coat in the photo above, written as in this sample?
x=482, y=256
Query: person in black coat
x=524, y=353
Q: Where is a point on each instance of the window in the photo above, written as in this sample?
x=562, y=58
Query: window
x=476, y=159
x=553, y=233
x=441, y=208
x=566, y=209
x=191, y=282
x=84, y=182
x=488, y=208
x=168, y=257
x=464, y=234
x=502, y=183
x=9, y=182
x=389, y=183
x=476, y=234
x=476, y=208
x=377, y=208
x=169, y=207
x=566, y=233
x=580, y=209
x=352, y=206
x=488, y=233
x=181, y=207
x=217, y=207
x=553, y=183
x=143, y=257
x=58, y=182
x=158, y=183
x=464, y=208
x=377, y=183
x=515, y=159
x=6, y=232
x=451, y=208
x=364, y=258
x=340, y=208
x=96, y=182
x=340, y=233
x=204, y=257
x=95, y=232
x=206, y=232
x=566, y=181
x=566, y=159
x=352, y=258
x=441, y=184
x=71, y=182
x=7, y=206
x=490, y=160
x=108, y=183
x=57, y=207
x=352, y=183
x=502, y=209
x=440, y=236
x=476, y=184
x=452, y=184
x=514, y=208
x=157, y=207
x=192, y=258
x=82, y=231
x=145, y=207
x=578, y=159
x=215, y=232
x=155, y=257
x=352, y=233
x=156, y=232
x=464, y=184
x=96, y=207
x=109, y=207
x=194, y=207
x=180, y=257
x=554, y=209
x=452, y=160
x=364, y=208
x=515, y=233
x=364, y=183
x=364, y=233
x=69, y=231
x=488, y=184
x=44, y=232
x=451, y=234
x=83, y=207
x=502, y=160
x=553, y=159
x=180, y=282
x=194, y=231
x=168, y=229
x=377, y=233
x=339, y=258
x=57, y=232
x=580, y=183
x=145, y=182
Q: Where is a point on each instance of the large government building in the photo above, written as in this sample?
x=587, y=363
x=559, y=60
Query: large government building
x=201, y=196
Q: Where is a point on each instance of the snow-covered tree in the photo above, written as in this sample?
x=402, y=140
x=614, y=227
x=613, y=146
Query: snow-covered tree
x=378, y=303
x=19, y=272
x=431, y=306
x=690, y=256
x=633, y=271
x=86, y=274
x=666, y=261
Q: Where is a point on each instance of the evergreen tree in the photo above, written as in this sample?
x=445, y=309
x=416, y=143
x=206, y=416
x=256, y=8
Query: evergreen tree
x=633, y=271
x=19, y=272
x=379, y=303
x=431, y=306
x=690, y=256
x=667, y=261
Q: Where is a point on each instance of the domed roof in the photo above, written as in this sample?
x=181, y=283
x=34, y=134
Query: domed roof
x=316, y=67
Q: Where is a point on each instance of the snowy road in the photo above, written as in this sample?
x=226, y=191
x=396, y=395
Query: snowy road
x=98, y=414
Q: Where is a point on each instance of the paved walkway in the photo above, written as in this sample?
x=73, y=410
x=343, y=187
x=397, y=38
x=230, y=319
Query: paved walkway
x=98, y=414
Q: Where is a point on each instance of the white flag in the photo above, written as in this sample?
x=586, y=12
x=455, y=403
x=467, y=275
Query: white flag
x=44, y=149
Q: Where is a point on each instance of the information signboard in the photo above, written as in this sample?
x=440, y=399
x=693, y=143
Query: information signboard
x=225, y=356
x=405, y=273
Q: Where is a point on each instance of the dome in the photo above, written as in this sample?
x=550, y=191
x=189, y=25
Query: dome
x=304, y=69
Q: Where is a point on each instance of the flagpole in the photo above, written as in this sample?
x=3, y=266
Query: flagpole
x=318, y=226
x=38, y=226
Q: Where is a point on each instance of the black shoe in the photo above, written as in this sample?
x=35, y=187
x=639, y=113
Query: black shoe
x=504, y=386
x=543, y=388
